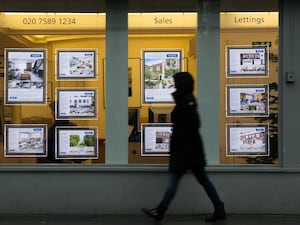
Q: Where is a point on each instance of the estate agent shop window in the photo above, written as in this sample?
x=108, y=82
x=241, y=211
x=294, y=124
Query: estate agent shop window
x=248, y=84
x=52, y=79
x=53, y=86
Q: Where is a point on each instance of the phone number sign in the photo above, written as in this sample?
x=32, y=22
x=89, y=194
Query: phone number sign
x=31, y=21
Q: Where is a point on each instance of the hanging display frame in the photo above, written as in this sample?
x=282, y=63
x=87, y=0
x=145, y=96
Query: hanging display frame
x=158, y=67
x=25, y=140
x=247, y=140
x=76, y=103
x=245, y=61
x=155, y=139
x=76, y=64
x=25, y=74
x=247, y=100
x=76, y=142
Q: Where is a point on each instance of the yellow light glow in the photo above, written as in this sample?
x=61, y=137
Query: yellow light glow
x=15, y=21
x=51, y=14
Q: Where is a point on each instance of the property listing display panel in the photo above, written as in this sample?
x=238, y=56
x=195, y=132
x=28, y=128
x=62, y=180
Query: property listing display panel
x=25, y=76
x=247, y=109
x=76, y=103
x=25, y=140
x=76, y=142
x=247, y=61
x=158, y=68
x=247, y=100
x=76, y=64
x=156, y=139
x=247, y=140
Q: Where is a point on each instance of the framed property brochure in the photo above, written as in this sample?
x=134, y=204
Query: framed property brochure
x=76, y=64
x=156, y=139
x=247, y=61
x=76, y=142
x=247, y=140
x=25, y=76
x=75, y=103
x=158, y=68
x=25, y=140
x=247, y=100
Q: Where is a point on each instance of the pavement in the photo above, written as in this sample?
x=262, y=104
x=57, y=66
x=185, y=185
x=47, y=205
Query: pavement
x=144, y=220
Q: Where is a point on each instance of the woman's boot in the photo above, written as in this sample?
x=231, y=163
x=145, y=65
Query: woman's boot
x=219, y=214
x=156, y=213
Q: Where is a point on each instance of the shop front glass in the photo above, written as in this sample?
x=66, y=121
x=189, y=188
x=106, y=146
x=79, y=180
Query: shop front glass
x=53, y=82
x=249, y=87
x=161, y=44
x=52, y=88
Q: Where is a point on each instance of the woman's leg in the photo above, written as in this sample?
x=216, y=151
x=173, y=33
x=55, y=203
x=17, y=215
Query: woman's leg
x=158, y=212
x=171, y=190
x=208, y=186
x=202, y=178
